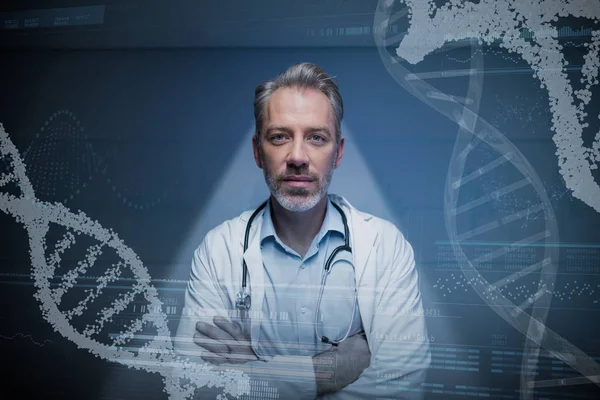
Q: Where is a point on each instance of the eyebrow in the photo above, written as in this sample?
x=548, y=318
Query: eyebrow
x=314, y=129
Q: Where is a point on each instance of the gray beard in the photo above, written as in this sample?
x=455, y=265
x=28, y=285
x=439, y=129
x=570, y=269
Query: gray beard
x=298, y=199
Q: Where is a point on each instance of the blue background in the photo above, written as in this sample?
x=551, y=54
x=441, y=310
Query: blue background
x=166, y=111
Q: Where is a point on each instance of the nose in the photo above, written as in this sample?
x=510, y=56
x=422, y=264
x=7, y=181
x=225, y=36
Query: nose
x=298, y=155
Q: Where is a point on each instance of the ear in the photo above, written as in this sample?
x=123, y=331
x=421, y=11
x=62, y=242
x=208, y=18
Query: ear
x=340, y=153
x=256, y=150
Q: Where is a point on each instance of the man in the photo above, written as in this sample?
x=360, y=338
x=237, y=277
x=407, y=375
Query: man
x=308, y=332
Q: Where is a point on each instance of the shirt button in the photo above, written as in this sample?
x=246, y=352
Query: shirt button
x=303, y=310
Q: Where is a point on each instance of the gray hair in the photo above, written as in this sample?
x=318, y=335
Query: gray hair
x=303, y=76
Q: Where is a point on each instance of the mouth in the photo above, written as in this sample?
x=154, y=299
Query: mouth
x=298, y=181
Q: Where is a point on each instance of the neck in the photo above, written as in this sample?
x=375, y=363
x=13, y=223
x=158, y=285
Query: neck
x=297, y=229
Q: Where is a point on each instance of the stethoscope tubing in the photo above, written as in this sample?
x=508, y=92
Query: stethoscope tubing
x=243, y=302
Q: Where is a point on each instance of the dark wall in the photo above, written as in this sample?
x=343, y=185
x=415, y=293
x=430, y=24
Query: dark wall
x=141, y=140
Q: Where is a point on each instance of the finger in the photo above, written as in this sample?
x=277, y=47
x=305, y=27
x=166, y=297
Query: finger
x=212, y=331
x=241, y=346
x=219, y=340
x=225, y=345
x=241, y=349
x=226, y=358
x=231, y=328
x=237, y=358
x=213, y=358
x=210, y=344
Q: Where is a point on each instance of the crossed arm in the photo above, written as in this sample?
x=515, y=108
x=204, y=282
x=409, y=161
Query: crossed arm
x=399, y=354
x=206, y=333
x=384, y=368
x=226, y=343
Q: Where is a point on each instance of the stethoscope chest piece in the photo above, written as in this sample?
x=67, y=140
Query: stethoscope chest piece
x=243, y=300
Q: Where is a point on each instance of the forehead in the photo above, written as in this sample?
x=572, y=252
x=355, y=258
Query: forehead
x=295, y=106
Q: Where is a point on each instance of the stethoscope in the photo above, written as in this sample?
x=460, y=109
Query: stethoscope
x=243, y=301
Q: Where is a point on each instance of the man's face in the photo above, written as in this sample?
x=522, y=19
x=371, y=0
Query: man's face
x=297, y=150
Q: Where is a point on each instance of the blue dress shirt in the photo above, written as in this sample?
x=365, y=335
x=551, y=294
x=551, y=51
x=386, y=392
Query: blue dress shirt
x=292, y=285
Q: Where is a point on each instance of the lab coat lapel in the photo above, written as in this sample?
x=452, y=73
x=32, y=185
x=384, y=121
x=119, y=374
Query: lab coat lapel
x=254, y=262
x=362, y=235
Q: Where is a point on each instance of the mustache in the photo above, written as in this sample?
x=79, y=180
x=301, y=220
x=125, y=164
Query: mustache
x=291, y=174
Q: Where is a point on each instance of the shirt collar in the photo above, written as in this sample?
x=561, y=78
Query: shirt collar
x=332, y=222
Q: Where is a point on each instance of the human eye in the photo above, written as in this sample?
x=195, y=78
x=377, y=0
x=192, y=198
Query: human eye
x=317, y=138
x=277, y=137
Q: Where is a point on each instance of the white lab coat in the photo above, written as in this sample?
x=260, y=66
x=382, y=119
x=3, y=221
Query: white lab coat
x=388, y=297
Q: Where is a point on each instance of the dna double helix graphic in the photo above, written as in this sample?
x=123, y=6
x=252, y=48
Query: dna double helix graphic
x=63, y=160
x=482, y=154
x=153, y=353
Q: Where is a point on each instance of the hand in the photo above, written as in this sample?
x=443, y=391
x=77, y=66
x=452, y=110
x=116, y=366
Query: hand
x=340, y=366
x=225, y=342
